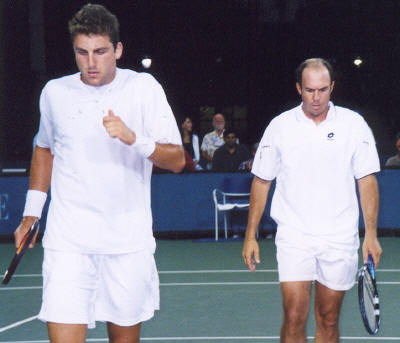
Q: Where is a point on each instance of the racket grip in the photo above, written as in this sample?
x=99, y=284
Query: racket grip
x=370, y=260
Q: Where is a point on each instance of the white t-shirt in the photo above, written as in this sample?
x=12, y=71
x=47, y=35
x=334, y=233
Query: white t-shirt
x=100, y=187
x=315, y=167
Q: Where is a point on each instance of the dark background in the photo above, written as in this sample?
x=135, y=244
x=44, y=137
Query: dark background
x=236, y=56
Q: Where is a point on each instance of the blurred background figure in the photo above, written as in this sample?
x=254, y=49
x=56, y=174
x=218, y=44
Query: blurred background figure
x=213, y=140
x=394, y=161
x=190, y=143
x=247, y=165
x=229, y=157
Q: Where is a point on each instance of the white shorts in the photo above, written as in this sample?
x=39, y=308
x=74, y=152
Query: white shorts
x=85, y=288
x=310, y=260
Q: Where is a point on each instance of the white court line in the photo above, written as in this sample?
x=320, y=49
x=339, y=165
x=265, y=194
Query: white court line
x=215, y=271
x=219, y=338
x=27, y=320
x=210, y=271
x=20, y=288
x=168, y=284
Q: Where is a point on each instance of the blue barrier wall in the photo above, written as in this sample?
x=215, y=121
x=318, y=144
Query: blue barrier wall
x=184, y=202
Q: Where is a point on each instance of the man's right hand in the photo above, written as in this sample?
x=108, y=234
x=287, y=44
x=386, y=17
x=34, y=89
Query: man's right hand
x=251, y=253
x=22, y=229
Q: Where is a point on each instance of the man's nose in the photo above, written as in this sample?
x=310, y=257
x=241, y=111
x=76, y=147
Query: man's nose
x=91, y=60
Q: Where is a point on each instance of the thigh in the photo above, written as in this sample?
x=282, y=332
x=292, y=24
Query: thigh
x=296, y=297
x=66, y=333
x=328, y=302
x=129, y=289
x=118, y=333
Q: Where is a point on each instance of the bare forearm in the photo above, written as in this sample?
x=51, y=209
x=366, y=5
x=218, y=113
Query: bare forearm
x=206, y=156
x=168, y=156
x=258, y=200
x=369, y=199
x=41, y=169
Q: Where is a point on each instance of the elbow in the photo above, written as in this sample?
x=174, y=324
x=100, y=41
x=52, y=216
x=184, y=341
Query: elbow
x=179, y=166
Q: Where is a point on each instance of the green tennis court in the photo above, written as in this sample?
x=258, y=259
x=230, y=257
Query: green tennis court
x=207, y=295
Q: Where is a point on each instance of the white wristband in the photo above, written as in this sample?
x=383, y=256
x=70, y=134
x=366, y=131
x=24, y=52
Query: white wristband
x=144, y=146
x=34, y=203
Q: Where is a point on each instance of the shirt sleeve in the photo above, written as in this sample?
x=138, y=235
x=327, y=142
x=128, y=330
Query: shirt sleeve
x=365, y=160
x=205, y=143
x=196, y=150
x=160, y=123
x=45, y=136
x=266, y=164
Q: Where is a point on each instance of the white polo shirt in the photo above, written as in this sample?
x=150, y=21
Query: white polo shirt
x=100, y=187
x=315, y=169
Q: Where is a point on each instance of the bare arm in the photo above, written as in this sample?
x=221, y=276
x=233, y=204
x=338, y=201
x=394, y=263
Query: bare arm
x=206, y=156
x=168, y=156
x=369, y=199
x=258, y=199
x=42, y=165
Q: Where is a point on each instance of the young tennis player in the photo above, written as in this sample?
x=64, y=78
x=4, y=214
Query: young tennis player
x=101, y=131
x=315, y=151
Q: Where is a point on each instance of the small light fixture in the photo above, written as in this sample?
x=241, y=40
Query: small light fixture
x=146, y=62
x=357, y=62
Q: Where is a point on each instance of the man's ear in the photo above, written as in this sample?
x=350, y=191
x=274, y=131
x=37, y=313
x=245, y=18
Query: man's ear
x=118, y=50
x=298, y=87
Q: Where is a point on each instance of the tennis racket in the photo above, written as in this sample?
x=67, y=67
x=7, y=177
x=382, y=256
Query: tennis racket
x=20, y=252
x=368, y=297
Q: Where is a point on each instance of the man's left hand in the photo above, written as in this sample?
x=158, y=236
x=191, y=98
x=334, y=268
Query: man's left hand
x=116, y=128
x=371, y=246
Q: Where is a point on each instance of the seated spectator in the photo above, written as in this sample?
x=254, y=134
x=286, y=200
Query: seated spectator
x=190, y=141
x=213, y=140
x=228, y=157
x=247, y=165
x=394, y=161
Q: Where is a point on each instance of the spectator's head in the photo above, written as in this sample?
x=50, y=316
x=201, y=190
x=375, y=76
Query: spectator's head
x=95, y=38
x=218, y=122
x=315, y=85
x=230, y=138
x=187, y=124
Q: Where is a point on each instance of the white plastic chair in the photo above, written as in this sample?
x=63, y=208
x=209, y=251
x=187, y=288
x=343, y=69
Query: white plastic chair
x=225, y=202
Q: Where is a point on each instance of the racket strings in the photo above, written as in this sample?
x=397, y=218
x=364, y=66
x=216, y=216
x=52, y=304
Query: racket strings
x=370, y=300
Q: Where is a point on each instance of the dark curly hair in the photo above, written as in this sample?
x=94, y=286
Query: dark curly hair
x=94, y=19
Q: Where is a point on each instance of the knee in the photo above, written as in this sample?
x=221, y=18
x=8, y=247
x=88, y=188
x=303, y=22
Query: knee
x=328, y=320
x=295, y=317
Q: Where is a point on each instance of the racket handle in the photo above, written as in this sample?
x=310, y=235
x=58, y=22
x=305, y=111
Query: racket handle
x=371, y=266
x=370, y=260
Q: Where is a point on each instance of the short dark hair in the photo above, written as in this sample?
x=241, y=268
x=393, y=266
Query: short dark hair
x=397, y=137
x=228, y=132
x=95, y=19
x=313, y=62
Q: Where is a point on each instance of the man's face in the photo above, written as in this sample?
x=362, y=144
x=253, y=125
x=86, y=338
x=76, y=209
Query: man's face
x=219, y=122
x=315, y=91
x=230, y=140
x=398, y=145
x=96, y=58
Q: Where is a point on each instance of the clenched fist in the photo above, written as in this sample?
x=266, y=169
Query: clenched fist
x=116, y=128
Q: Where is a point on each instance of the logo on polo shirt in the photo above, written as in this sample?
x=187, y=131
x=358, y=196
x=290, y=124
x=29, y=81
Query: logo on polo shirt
x=330, y=136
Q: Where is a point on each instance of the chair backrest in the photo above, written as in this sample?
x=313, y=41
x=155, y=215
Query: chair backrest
x=237, y=185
